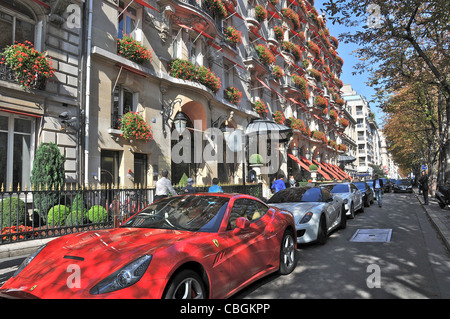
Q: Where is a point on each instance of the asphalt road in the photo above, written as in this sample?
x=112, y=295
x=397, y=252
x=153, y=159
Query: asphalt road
x=413, y=264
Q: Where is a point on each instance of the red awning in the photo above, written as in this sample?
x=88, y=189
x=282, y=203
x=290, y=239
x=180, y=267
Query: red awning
x=211, y=43
x=295, y=3
x=327, y=168
x=262, y=82
x=273, y=14
x=195, y=29
x=320, y=170
x=145, y=4
x=236, y=64
x=299, y=162
x=257, y=34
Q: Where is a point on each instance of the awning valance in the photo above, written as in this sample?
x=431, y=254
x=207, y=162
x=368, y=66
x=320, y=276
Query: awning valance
x=266, y=127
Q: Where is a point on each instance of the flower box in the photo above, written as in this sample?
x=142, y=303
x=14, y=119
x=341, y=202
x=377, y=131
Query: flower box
x=233, y=36
x=261, y=108
x=278, y=117
x=31, y=68
x=233, y=95
x=134, y=127
x=185, y=70
x=265, y=56
x=132, y=50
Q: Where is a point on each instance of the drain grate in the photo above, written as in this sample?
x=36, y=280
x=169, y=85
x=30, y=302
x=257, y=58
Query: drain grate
x=372, y=236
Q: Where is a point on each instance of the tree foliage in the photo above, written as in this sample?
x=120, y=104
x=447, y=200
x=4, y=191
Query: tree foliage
x=404, y=46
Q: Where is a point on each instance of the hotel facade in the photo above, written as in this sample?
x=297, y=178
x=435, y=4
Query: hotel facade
x=197, y=77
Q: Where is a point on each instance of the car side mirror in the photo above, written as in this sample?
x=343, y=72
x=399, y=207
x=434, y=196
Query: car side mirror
x=242, y=223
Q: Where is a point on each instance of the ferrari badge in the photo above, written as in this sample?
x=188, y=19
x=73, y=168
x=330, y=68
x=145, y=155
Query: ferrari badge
x=216, y=242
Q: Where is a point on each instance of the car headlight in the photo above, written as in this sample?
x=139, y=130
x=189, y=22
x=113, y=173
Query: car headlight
x=124, y=277
x=28, y=260
x=306, y=218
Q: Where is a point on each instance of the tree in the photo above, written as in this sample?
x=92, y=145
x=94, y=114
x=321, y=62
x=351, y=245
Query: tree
x=403, y=43
x=47, y=176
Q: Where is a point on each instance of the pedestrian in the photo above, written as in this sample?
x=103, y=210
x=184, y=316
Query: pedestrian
x=378, y=187
x=424, y=186
x=215, y=188
x=291, y=181
x=278, y=184
x=163, y=186
x=189, y=188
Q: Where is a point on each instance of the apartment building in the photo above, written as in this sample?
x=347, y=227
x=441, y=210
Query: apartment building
x=38, y=111
x=367, y=137
x=200, y=71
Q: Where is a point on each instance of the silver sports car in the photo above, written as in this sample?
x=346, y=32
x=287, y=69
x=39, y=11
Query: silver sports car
x=316, y=211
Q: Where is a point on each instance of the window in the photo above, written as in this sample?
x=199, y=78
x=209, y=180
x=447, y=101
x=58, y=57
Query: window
x=248, y=208
x=15, y=150
x=109, y=166
x=127, y=20
x=140, y=169
x=16, y=22
x=124, y=101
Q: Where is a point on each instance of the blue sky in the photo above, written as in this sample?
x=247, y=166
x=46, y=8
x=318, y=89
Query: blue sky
x=357, y=81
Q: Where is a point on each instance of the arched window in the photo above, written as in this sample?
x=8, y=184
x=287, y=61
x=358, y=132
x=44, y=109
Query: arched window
x=17, y=23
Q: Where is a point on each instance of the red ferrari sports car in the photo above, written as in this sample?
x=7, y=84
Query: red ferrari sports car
x=189, y=246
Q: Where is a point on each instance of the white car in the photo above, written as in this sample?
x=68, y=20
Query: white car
x=316, y=211
x=350, y=194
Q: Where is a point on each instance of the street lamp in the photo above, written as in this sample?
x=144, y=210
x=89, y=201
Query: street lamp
x=179, y=122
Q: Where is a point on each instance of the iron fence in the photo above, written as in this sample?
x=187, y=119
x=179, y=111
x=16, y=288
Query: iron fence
x=35, y=214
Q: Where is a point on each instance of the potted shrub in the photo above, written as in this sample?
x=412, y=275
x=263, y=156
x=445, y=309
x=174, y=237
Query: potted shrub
x=134, y=127
x=233, y=95
x=31, y=67
x=132, y=50
x=255, y=159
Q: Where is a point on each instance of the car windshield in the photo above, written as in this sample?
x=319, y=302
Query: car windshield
x=296, y=194
x=337, y=188
x=191, y=213
x=404, y=182
x=360, y=185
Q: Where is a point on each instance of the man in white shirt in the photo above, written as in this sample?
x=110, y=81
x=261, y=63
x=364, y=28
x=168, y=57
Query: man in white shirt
x=163, y=186
x=378, y=187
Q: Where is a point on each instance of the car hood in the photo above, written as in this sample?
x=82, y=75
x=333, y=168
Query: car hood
x=98, y=253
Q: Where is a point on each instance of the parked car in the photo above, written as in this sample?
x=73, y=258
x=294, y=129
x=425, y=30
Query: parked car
x=187, y=246
x=387, y=185
x=316, y=211
x=366, y=190
x=403, y=185
x=350, y=194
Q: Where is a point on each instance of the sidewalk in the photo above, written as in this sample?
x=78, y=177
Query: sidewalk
x=440, y=218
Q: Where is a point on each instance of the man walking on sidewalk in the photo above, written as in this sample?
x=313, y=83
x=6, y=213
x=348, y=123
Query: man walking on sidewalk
x=378, y=187
x=424, y=186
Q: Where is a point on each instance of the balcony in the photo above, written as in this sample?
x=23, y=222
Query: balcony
x=8, y=75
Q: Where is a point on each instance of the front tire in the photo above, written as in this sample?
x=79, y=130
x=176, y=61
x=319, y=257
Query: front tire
x=187, y=284
x=287, y=253
x=322, y=235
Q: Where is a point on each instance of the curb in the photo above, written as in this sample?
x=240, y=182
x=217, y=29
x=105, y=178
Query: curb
x=440, y=227
x=22, y=248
